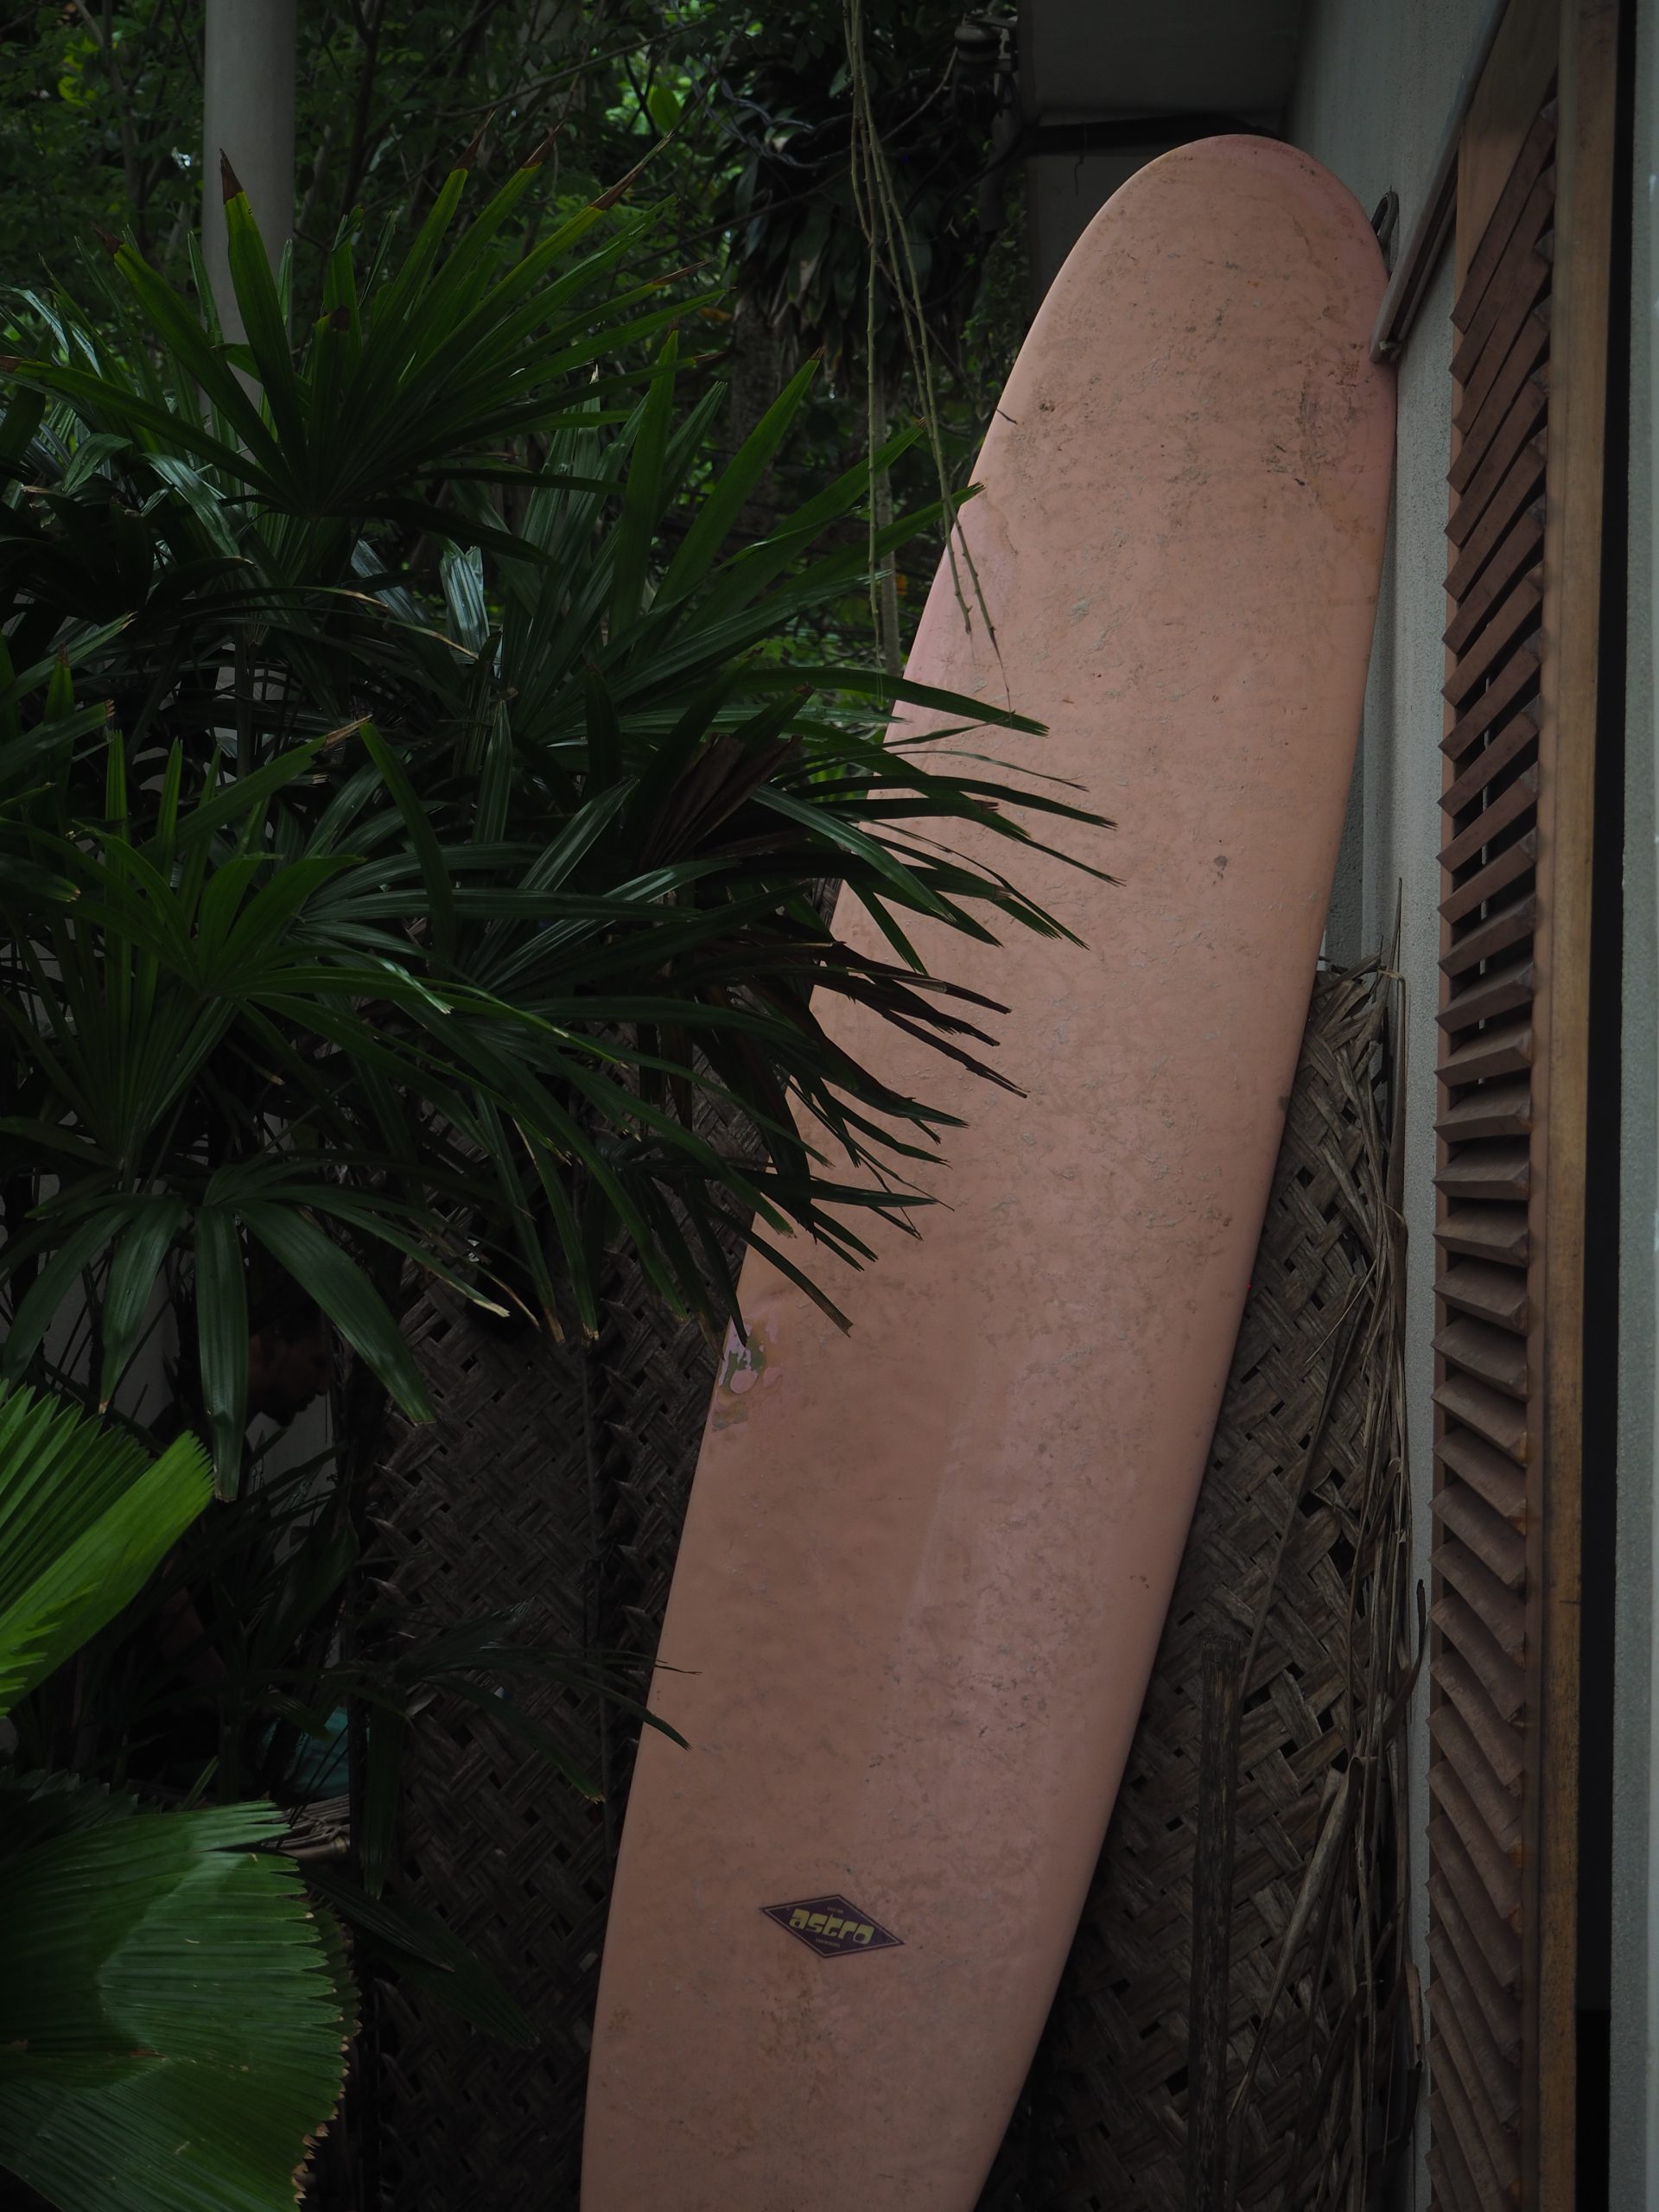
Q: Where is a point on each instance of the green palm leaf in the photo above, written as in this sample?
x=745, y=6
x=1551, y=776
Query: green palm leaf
x=515, y=853
x=85, y=1515
x=174, y=2010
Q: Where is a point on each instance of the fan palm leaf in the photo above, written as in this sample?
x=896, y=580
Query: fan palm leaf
x=172, y=2008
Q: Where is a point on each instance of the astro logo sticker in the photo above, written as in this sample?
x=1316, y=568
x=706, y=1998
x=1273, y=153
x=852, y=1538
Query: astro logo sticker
x=831, y=1928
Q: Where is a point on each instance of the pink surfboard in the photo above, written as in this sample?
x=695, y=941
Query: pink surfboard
x=927, y=1566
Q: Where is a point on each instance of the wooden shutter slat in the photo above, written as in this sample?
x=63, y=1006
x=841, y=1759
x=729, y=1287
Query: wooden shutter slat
x=1497, y=1294
x=1487, y=1349
x=1497, y=2165
x=1486, y=371
x=1521, y=384
x=1504, y=926
x=1453, y=1736
x=1491, y=2080
x=1509, y=867
x=1488, y=1535
x=1487, y=762
x=1502, y=987
x=1499, y=1876
x=1508, y=808
x=1499, y=1611
x=1499, y=2075
x=1472, y=1640
x=1494, y=1940
x=1493, y=1109
x=1516, y=619
x=1537, y=152
x=1494, y=706
x=1469, y=1635
x=1482, y=941
x=1521, y=389
x=1488, y=1412
x=1489, y=2189
x=1525, y=363
x=1488, y=1170
x=1531, y=339
x=1503, y=1049
x=1522, y=488
x=1504, y=311
x=1446, y=2169
x=1520, y=550
x=1501, y=2154
x=1522, y=441
x=1486, y=1469
x=1498, y=1738
x=1485, y=1233
x=1497, y=1356
x=1518, y=283
x=1453, y=1805
x=1480, y=2058
x=1491, y=2000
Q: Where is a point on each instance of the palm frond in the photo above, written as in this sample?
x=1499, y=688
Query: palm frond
x=85, y=1515
x=174, y=2010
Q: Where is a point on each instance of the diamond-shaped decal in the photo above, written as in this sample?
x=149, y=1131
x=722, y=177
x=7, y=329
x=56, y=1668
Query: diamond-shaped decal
x=832, y=1927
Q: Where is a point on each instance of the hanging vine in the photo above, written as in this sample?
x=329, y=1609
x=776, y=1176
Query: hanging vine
x=891, y=265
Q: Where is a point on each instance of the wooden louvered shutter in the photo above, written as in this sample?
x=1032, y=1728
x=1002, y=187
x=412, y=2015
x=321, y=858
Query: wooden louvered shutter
x=1482, y=1446
x=1530, y=372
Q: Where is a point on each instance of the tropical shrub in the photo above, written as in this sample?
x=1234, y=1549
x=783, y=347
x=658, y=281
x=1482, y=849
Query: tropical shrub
x=401, y=924
x=415, y=810
x=126, y=2084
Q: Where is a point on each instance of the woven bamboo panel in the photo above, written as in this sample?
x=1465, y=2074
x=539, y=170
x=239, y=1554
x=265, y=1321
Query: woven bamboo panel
x=558, y=1479
x=553, y=1479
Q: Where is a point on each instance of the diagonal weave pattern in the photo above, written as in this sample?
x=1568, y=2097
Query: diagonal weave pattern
x=557, y=1478
x=554, y=1480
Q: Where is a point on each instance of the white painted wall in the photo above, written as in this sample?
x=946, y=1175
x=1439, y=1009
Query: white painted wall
x=1375, y=91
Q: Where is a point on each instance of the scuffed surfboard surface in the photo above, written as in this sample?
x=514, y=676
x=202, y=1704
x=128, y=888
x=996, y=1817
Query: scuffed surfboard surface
x=927, y=1566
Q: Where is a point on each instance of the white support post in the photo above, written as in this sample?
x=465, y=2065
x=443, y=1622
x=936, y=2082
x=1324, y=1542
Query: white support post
x=248, y=117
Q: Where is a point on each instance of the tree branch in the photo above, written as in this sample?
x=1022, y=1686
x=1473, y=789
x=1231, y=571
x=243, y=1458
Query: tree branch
x=369, y=21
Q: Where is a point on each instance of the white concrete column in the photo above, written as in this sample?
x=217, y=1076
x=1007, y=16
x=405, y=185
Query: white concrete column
x=247, y=115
